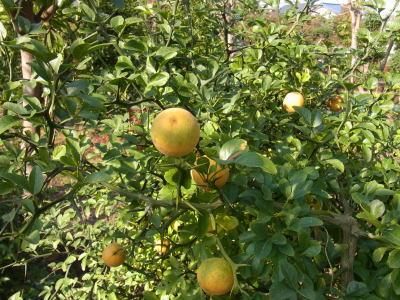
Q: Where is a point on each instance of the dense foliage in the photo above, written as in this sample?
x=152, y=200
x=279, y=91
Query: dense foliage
x=311, y=208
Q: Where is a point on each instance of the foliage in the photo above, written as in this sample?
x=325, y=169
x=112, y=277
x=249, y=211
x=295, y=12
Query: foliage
x=395, y=62
x=311, y=209
x=372, y=21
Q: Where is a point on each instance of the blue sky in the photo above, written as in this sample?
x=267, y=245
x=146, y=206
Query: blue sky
x=388, y=3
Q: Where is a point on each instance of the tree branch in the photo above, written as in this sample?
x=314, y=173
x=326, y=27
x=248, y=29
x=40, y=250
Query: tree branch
x=46, y=13
x=163, y=203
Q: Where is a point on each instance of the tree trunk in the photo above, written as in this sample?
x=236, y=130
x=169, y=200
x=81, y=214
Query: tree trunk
x=26, y=61
x=228, y=37
x=387, y=54
x=355, y=14
x=349, y=241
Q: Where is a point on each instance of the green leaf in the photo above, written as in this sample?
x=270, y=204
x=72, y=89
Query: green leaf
x=42, y=70
x=16, y=108
x=135, y=45
x=289, y=272
x=377, y=208
x=117, y=23
x=266, y=82
x=263, y=249
x=33, y=102
x=59, y=151
x=305, y=113
x=356, y=289
x=317, y=119
x=384, y=287
x=233, y=148
x=287, y=249
x=281, y=291
x=227, y=223
x=33, y=237
x=394, y=259
x=133, y=20
x=371, y=187
x=95, y=101
x=124, y=62
x=371, y=83
x=173, y=176
x=202, y=224
x=394, y=277
x=8, y=217
x=392, y=235
x=384, y=192
x=88, y=11
x=159, y=79
x=337, y=164
x=24, y=24
x=79, y=48
x=8, y=122
x=98, y=177
x=16, y=296
x=7, y=4
x=6, y=188
x=278, y=239
x=313, y=250
x=168, y=192
x=378, y=254
x=29, y=205
x=56, y=63
x=38, y=49
x=18, y=180
x=149, y=296
x=306, y=222
x=36, y=180
x=256, y=160
x=367, y=153
x=167, y=53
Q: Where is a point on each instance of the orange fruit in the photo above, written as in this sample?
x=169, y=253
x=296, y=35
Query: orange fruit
x=162, y=246
x=292, y=99
x=175, y=132
x=216, y=175
x=215, y=276
x=335, y=104
x=113, y=255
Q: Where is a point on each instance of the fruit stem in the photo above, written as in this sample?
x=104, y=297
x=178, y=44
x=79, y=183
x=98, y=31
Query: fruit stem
x=346, y=115
x=234, y=266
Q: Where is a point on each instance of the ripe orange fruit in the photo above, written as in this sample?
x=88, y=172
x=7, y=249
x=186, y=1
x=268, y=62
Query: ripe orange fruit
x=216, y=176
x=335, y=104
x=292, y=99
x=113, y=255
x=162, y=246
x=215, y=276
x=175, y=132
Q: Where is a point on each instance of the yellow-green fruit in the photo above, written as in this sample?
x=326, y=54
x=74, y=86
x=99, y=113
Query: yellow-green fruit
x=215, y=276
x=335, y=104
x=216, y=176
x=291, y=100
x=113, y=255
x=175, y=132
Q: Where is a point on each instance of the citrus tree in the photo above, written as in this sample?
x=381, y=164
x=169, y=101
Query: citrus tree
x=194, y=150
